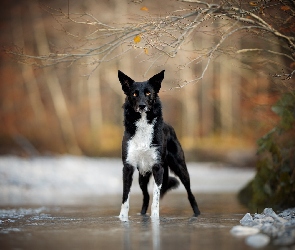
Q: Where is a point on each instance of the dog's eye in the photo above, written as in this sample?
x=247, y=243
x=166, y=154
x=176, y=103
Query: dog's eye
x=135, y=94
x=147, y=93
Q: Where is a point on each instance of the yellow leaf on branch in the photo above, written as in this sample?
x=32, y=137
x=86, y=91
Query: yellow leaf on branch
x=252, y=3
x=137, y=39
x=144, y=8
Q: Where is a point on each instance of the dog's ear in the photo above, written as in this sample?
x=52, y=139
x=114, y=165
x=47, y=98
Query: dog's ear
x=156, y=81
x=125, y=81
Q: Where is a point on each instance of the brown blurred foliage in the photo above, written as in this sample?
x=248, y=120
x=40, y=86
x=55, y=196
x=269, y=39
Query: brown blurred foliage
x=61, y=109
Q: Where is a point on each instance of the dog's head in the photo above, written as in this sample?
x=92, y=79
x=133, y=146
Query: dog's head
x=141, y=95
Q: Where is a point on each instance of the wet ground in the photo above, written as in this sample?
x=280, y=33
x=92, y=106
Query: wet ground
x=72, y=202
x=94, y=225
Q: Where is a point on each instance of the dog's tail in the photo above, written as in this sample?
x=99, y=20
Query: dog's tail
x=172, y=183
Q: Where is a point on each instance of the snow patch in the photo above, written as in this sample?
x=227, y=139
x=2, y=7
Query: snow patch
x=70, y=179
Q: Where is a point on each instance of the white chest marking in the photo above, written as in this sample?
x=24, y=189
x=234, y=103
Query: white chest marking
x=141, y=153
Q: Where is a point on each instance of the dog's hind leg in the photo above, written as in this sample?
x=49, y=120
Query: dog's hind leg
x=127, y=182
x=178, y=166
x=143, y=183
x=158, y=171
x=176, y=162
x=185, y=179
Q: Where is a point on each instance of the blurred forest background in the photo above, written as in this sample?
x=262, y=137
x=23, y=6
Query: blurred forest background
x=58, y=110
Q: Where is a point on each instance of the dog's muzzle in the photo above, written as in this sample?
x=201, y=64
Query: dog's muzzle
x=142, y=108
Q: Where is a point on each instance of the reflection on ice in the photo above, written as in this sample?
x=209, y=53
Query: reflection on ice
x=151, y=228
x=156, y=233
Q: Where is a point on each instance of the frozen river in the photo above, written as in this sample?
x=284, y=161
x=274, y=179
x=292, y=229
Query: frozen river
x=73, y=203
x=95, y=225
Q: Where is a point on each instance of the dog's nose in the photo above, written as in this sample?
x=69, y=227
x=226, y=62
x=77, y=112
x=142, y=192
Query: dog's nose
x=142, y=106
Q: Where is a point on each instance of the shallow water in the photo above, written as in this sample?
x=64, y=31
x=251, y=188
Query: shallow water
x=95, y=225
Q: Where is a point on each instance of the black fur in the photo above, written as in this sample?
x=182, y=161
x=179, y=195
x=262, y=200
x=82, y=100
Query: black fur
x=142, y=97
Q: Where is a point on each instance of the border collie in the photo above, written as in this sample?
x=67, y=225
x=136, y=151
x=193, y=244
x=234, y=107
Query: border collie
x=150, y=145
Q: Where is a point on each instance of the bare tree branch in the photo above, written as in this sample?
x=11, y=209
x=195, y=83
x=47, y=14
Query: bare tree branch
x=164, y=37
x=264, y=50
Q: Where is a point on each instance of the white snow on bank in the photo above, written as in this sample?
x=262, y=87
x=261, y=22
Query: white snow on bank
x=65, y=179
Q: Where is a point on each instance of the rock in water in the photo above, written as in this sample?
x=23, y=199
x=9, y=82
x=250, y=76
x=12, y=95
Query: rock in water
x=247, y=220
x=243, y=231
x=257, y=240
x=270, y=213
x=280, y=227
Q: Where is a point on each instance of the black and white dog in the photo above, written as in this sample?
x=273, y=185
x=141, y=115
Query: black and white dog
x=150, y=145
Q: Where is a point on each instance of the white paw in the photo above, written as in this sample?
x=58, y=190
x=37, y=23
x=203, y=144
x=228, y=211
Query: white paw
x=123, y=214
x=124, y=210
x=123, y=217
x=155, y=213
x=155, y=216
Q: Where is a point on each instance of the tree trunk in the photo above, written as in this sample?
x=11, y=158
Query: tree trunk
x=53, y=84
x=95, y=110
x=226, y=116
x=27, y=71
x=190, y=109
x=206, y=91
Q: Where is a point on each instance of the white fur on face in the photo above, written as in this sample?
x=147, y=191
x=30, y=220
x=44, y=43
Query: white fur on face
x=141, y=153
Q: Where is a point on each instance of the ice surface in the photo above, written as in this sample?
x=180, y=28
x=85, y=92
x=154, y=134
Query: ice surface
x=20, y=212
x=98, y=226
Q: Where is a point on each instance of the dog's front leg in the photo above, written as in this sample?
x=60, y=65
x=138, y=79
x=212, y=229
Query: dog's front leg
x=127, y=182
x=143, y=183
x=158, y=177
